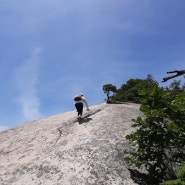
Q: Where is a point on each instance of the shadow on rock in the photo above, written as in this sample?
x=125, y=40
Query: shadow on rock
x=85, y=120
x=116, y=102
x=142, y=179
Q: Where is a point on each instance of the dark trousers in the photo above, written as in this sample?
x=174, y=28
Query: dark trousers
x=79, y=108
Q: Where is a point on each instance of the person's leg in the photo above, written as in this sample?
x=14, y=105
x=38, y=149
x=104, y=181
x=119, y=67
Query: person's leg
x=79, y=108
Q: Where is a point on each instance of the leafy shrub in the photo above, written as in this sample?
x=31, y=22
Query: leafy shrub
x=180, y=177
x=130, y=90
x=159, y=138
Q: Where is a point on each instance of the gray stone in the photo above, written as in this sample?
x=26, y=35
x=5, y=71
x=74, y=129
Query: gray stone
x=59, y=151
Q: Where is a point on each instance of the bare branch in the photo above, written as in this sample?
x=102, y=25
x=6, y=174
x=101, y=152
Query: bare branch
x=178, y=73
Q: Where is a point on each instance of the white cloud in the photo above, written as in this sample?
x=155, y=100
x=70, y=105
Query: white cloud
x=27, y=77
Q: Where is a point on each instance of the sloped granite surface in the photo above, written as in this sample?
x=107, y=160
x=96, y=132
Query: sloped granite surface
x=59, y=150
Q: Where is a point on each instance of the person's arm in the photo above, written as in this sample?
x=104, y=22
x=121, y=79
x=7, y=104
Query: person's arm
x=86, y=103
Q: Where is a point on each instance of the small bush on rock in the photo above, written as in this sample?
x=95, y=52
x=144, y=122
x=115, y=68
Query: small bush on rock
x=159, y=138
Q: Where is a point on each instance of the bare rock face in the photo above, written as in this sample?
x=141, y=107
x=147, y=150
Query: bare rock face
x=59, y=150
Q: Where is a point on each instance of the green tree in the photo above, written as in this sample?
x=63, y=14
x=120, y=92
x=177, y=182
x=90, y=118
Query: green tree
x=159, y=138
x=151, y=80
x=130, y=90
x=175, y=85
x=108, y=88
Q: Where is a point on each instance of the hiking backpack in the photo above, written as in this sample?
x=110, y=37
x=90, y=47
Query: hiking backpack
x=77, y=98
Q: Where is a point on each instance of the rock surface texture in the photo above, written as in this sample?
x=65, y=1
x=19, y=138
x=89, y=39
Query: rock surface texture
x=59, y=150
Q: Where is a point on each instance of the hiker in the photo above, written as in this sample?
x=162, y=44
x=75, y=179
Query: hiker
x=79, y=101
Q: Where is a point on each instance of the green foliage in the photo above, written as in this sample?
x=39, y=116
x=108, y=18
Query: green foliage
x=130, y=90
x=176, y=86
x=181, y=172
x=159, y=138
x=174, y=182
x=180, y=177
x=108, y=88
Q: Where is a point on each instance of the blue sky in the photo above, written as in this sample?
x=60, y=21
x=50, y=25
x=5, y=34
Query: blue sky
x=52, y=50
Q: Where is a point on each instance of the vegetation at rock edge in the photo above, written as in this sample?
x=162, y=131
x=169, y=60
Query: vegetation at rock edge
x=159, y=137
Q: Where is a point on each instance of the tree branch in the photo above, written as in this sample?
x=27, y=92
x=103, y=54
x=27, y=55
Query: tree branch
x=178, y=73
